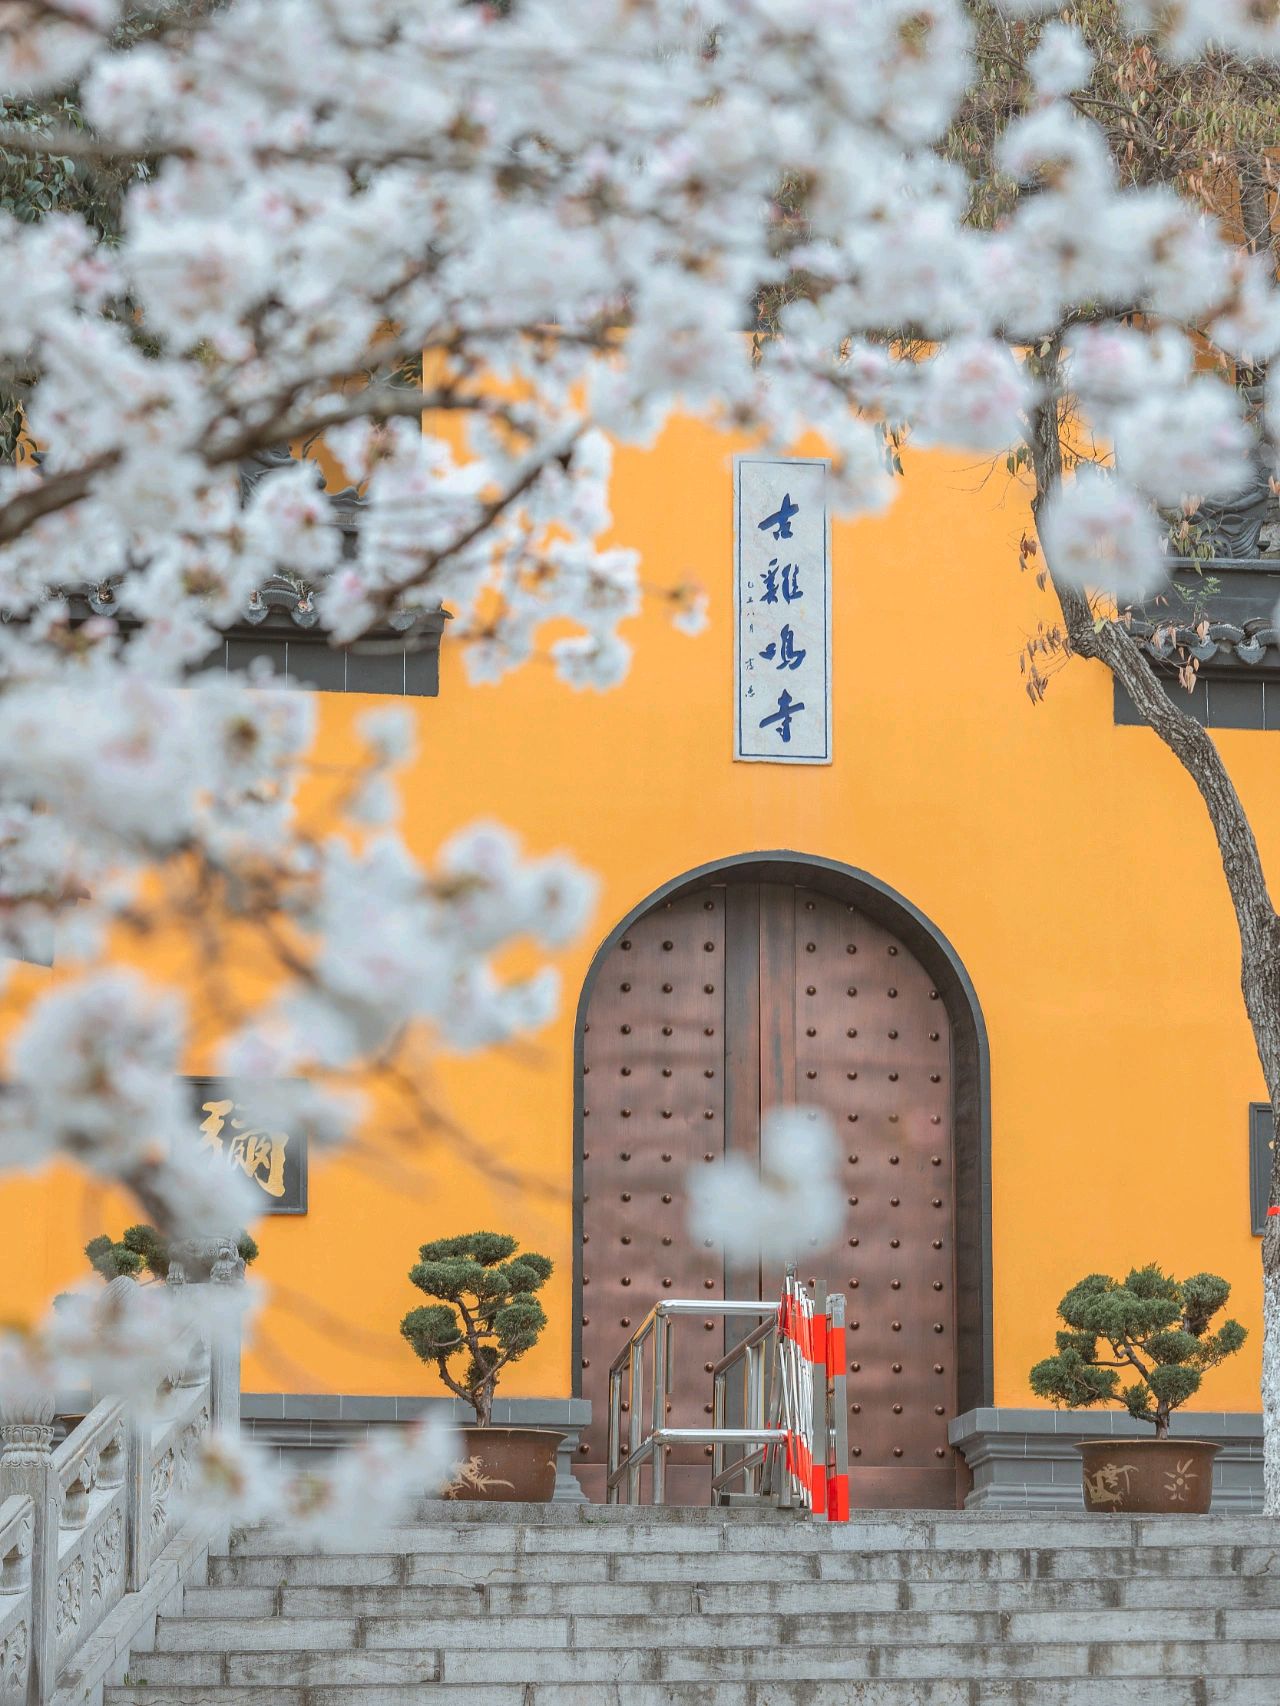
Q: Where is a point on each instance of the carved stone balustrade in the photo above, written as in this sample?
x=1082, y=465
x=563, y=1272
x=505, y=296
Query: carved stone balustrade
x=17, y=1526
x=82, y=1525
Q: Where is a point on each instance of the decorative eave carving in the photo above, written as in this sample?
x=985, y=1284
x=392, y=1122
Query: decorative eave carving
x=346, y=504
x=280, y=595
x=1222, y=613
x=1243, y=528
x=281, y=592
x=286, y=606
x=280, y=605
x=1216, y=641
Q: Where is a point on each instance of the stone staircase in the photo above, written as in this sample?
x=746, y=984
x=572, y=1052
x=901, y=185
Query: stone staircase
x=504, y=1605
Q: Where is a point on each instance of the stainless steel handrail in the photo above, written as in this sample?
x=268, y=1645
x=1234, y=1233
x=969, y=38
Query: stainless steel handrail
x=793, y=1392
x=650, y=1447
x=755, y=1356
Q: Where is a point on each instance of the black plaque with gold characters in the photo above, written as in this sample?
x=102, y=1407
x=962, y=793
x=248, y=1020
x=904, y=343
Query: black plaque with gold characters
x=276, y=1161
x=1261, y=1145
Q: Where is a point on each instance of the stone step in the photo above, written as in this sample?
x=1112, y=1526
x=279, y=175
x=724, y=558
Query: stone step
x=487, y=1512
x=479, y=1663
x=357, y=1668
x=295, y=1634
x=338, y=1569
x=1052, y=1661
x=1209, y=1690
x=681, y=1599
x=504, y=1606
x=498, y=1513
x=512, y=1539
x=721, y=1531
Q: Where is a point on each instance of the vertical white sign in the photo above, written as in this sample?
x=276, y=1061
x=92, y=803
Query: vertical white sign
x=782, y=612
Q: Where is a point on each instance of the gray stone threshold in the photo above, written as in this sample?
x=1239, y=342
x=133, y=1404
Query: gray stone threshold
x=1024, y=1459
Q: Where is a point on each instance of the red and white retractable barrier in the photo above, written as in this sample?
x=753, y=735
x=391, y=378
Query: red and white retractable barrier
x=834, y=1392
x=811, y=1376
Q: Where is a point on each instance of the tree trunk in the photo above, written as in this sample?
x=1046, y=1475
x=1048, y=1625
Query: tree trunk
x=1271, y=1369
x=1255, y=213
x=1260, y=236
x=1110, y=642
x=1259, y=964
x=1271, y=1322
x=483, y=1401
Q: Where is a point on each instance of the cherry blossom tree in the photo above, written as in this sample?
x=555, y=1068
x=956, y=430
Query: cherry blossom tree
x=545, y=224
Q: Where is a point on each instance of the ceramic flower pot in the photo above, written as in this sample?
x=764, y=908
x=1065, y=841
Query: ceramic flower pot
x=1151, y=1475
x=517, y=1464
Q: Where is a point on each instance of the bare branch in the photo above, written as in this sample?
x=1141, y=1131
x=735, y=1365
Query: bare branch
x=72, y=145
x=54, y=492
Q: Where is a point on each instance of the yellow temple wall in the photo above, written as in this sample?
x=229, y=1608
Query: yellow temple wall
x=1067, y=860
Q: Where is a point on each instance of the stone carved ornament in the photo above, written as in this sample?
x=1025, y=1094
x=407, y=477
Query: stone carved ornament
x=106, y=1562
x=161, y=1486
x=188, y=1445
x=13, y=1563
x=26, y=1425
x=75, y=1496
x=70, y=1583
x=13, y=1664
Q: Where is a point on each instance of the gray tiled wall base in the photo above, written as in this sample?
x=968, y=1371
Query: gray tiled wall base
x=299, y=1426
x=1024, y=1459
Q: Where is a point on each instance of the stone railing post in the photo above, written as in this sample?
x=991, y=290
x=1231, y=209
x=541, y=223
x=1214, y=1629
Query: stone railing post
x=200, y=1390
x=226, y=1278
x=137, y=1501
x=118, y=1296
x=26, y=1466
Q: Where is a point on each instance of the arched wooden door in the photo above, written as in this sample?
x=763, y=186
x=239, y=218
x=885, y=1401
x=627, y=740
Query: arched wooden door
x=727, y=1000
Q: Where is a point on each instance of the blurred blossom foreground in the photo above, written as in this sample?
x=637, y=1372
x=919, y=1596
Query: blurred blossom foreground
x=539, y=228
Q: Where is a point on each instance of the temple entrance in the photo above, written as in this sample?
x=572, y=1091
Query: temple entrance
x=761, y=984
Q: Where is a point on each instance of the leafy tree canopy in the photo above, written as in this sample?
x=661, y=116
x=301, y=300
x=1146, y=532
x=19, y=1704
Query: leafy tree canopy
x=1149, y=1324
x=488, y=1311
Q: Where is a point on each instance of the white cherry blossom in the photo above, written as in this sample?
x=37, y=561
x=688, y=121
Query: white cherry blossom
x=1190, y=26
x=564, y=211
x=93, y=1075
x=1061, y=61
x=349, y=1503
x=788, y=1204
x=1184, y=443
x=1100, y=535
x=974, y=396
x=46, y=43
x=1112, y=364
x=1249, y=325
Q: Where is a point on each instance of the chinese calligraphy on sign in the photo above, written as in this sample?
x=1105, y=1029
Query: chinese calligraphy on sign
x=276, y=1161
x=782, y=612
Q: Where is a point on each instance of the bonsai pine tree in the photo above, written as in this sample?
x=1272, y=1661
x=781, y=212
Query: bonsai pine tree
x=1153, y=1325
x=141, y=1249
x=487, y=1312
